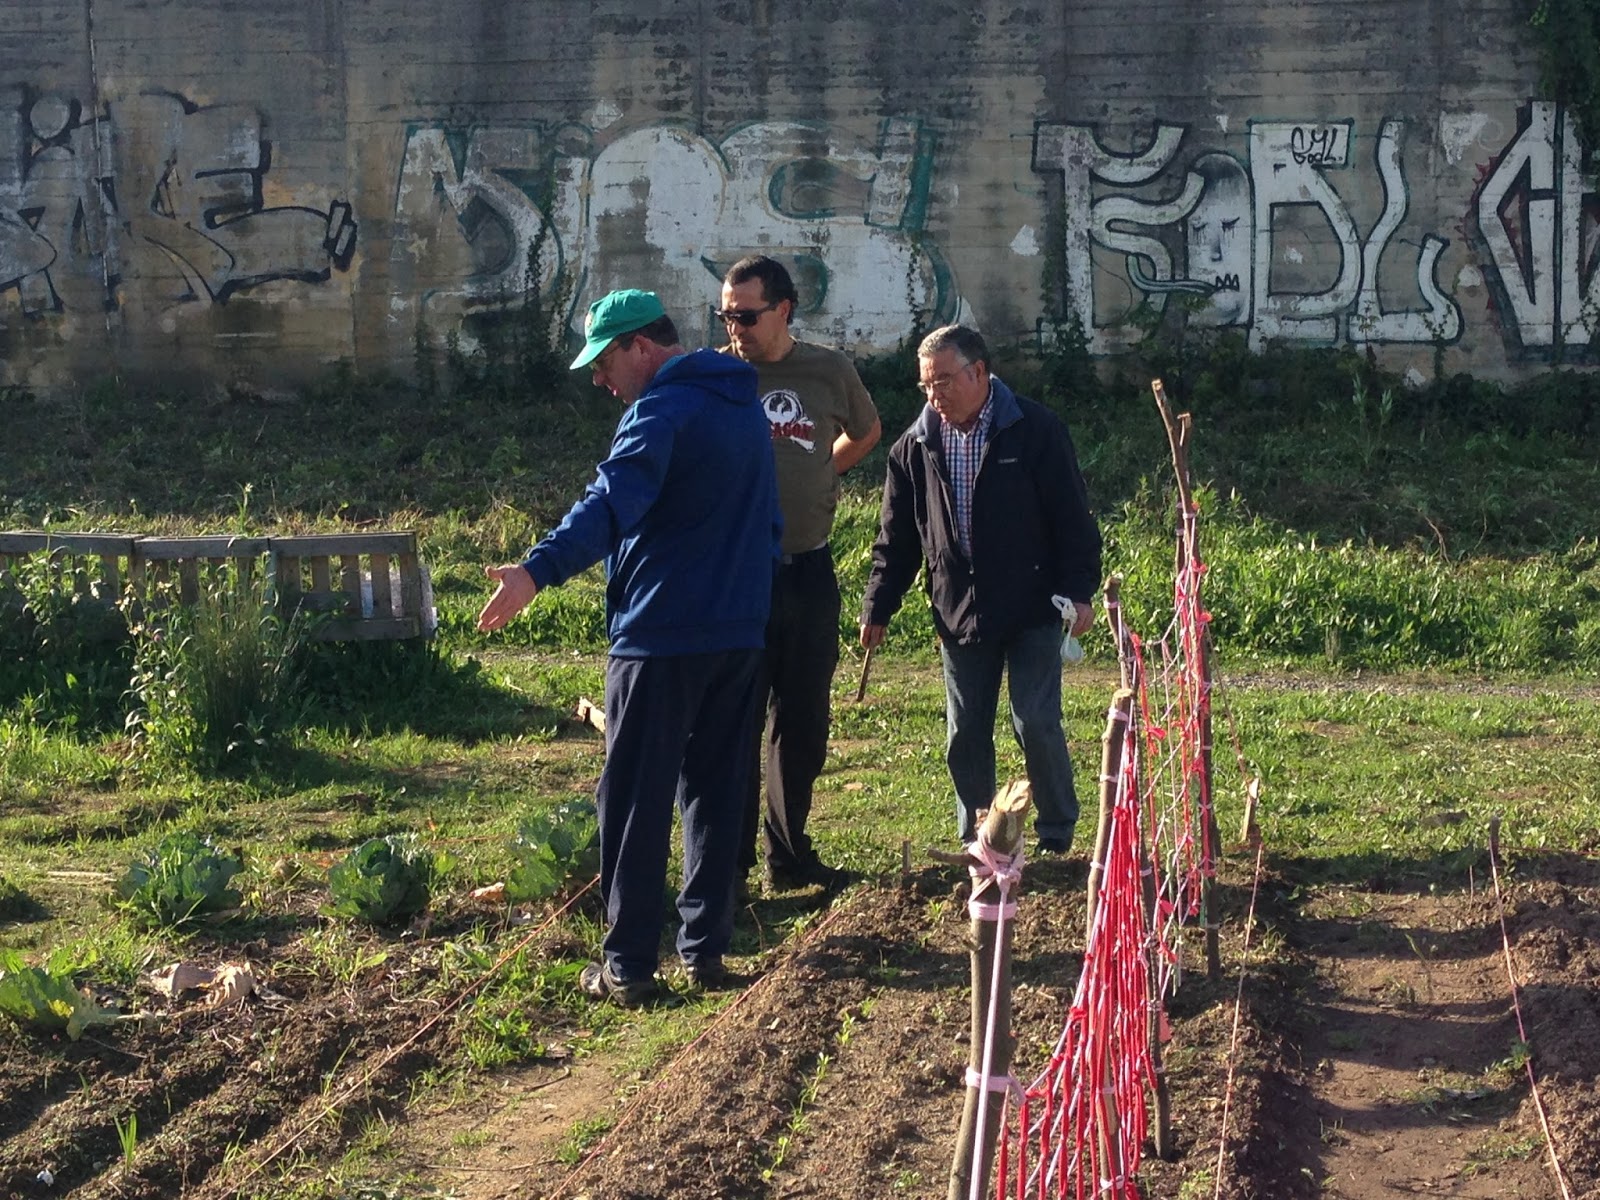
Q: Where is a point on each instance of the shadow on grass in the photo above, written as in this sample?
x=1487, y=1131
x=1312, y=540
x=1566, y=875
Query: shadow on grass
x=389, y=687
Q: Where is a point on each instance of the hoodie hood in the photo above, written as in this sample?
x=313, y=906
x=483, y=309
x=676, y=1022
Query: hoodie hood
x=730, y=379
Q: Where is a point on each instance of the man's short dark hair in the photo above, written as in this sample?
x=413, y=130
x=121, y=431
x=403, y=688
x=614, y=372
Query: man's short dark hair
x=774, y=276
x=661, y=331
x=963, y=339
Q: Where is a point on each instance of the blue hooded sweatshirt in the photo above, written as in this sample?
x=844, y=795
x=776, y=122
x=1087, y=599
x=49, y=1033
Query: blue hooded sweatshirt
x=684, y=510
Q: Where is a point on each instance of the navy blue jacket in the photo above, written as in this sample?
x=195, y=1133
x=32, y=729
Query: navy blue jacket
x=1032, y=532
x=684, y=510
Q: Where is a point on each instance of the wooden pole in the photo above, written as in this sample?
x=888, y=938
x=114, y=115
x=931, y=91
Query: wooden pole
x=1119, y=629
x=1208, y=816
x=1110, y=768
x=1002, y=829
x=1102, y=1020
x=1154, y=1025
x=1180, y=428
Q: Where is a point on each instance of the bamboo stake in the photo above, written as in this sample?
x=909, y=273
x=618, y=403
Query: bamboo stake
x=1155, y=1027
x=1249, y=831
x=1003, y=828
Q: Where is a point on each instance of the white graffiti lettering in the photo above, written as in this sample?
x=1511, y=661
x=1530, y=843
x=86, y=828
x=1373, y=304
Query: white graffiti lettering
x=667, y=206
x=1250, y=243
x=1537, y=237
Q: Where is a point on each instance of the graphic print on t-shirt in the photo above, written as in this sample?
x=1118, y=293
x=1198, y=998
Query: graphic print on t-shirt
x=789, y=419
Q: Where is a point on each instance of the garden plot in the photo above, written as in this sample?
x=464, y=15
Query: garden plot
x=837, y=1070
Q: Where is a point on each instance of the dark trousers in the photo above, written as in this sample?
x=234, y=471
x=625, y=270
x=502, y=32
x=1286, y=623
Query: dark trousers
x=676, y=732
x=1031, y=660
x=802, y=652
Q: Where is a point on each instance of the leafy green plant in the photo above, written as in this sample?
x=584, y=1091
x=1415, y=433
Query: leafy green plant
x=497, y=1038
x=384, y=880
x=43, y=999
x=181, y=879
x=550, y=848
x=215, y=681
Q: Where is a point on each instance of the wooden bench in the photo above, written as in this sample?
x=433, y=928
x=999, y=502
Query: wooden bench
x=370, y=585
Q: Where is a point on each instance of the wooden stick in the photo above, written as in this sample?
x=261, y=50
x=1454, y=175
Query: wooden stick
x=1250, y=832
x=866, y=665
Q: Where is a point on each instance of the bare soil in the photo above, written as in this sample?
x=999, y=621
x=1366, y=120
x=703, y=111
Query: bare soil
x=1377, y=1055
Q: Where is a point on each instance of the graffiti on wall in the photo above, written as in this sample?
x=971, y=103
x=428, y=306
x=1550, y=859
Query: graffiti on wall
x=1267, y=243
x=1534, y=213
x=57, y=203
x=668, y=208
x=153, y=176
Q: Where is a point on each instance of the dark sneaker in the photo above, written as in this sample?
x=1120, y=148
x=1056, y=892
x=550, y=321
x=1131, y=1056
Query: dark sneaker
x=811, y=873
x=599, y=983
x=1054, y=845
x=708, y=974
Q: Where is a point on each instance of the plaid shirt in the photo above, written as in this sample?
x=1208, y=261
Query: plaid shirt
x=963, y=452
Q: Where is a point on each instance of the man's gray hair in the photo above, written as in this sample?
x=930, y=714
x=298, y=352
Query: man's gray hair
x=964, y=340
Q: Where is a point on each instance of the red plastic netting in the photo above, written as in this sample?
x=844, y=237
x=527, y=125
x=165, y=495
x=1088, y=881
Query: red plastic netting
x=1080, y=1128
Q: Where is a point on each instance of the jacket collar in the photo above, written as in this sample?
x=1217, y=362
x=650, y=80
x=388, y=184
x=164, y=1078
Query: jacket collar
x=1006, y=412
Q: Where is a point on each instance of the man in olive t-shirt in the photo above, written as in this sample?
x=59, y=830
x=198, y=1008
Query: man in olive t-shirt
x=823, y=423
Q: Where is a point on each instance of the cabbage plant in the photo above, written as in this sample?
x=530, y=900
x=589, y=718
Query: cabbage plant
x=384, y=880
x=183, y=878
x=552, y=847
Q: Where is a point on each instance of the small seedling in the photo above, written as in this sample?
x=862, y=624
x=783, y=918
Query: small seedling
x=127, y=1137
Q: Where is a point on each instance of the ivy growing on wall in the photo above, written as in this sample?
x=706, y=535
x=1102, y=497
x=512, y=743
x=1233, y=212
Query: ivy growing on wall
x=1569, y=37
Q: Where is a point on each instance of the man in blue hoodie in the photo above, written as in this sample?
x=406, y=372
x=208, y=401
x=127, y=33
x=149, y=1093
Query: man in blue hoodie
x=684, y=511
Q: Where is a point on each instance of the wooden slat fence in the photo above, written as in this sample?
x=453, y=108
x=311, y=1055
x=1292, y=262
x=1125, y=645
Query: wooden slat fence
x=371, y=585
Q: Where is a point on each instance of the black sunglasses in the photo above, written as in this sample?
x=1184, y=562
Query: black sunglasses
x=746, y=317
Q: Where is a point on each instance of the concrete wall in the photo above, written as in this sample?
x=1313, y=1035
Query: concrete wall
x=222, y=190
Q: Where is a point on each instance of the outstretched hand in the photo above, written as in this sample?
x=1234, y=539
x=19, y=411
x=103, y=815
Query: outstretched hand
x=515, y=592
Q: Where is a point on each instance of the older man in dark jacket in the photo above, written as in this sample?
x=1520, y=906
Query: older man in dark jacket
x=985, y=489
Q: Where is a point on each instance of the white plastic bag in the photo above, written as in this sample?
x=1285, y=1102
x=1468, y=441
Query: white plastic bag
x=1071, y=651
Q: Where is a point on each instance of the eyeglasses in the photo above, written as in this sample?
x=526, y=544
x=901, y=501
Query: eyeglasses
x=940, y=383
x=746, y=317
x=598, y=363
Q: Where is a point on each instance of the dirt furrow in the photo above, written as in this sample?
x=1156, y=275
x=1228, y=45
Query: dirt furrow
x=1415, y=1067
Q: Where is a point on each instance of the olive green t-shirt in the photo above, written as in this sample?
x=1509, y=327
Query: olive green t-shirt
x=810, y=396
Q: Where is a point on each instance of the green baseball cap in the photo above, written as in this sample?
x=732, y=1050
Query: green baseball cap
x=614, y=314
